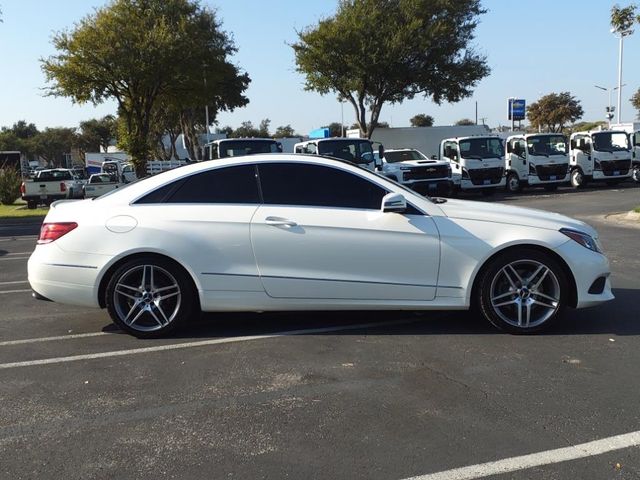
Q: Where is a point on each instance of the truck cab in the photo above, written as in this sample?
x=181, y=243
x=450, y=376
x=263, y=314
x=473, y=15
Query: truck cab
x=477, y=162
x=414, y=170
x=603, y=155
x=354, y=150
x=119, y=171
x=539, y=159
x=633, y=132
x=238, y=147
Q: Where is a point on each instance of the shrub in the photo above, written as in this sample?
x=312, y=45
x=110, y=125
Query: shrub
x=9, y=185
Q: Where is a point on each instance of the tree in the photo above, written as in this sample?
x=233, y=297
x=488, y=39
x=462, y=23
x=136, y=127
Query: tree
x=553, y=111
x=143, y=53
x=263, y=129
x=374, y=52
x=622, y=19
x=246, y=130
x=335, y=129
x=465, y=122
x=19, y=137
x=635, y=101
x=284, y=131
x=97, y=134
x=53, y=143
x=422, y=120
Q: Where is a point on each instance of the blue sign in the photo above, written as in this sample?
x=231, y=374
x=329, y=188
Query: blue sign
x=517, y=109
x=319, y=133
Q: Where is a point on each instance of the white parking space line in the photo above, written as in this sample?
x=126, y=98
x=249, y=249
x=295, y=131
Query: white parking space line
x=513, y=464
x=49, y=339
x=15, y=291
x=203, y=343
x=15, y=282
x=13, y=258
x=17, y=253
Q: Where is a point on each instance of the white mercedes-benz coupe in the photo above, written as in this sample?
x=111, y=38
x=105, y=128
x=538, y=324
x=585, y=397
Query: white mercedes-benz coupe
x=293, y=232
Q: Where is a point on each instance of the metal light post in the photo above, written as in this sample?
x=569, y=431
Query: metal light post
x=206, y=106
x=621, y=34
x=610, y=108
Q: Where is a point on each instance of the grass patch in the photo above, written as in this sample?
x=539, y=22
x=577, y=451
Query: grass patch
x=20, y=211
x=637, y=209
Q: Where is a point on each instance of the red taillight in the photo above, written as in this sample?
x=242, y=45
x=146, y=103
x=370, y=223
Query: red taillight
x=23, y=189
x=53, y=231
x=63, y=187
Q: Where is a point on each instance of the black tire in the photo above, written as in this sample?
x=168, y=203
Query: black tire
x=577, y=179
x=517, y=292
x=635, y=173
x=32, y=204
x=137, y=290
x=488, y=192
x=551, y=188
x=513, y=184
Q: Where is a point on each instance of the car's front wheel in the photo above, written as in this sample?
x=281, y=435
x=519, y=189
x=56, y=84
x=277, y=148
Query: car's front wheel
x=150, y=297
x=522, y=291
x=635, y=173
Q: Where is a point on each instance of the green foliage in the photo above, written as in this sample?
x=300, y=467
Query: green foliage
x=622, y=19
x=284, y=131
x=585, y=126
x=553, y=111
x=635, y=101
x=465, y=122
x=53, y=143
x=145, y=53
x=248, y=130
x=96, y=134
x=9, y=185
x=422, y=120
x=374, y=52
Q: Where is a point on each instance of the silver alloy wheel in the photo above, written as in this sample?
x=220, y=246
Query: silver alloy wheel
x=525, y=293
x=147, y=298
x=635, y=174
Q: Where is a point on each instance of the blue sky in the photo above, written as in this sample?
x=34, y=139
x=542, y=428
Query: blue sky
x=533, y=48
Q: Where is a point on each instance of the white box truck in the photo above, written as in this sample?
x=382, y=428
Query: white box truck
x=633, y=130
x=536, y=160
x=477, y=162
x=602, y=155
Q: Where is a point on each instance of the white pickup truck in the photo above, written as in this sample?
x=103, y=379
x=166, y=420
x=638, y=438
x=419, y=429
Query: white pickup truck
x=99, y=184
x=50, y=185
x=414, y=170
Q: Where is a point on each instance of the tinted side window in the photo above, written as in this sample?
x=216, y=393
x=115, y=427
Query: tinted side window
x=317, y=185
x=221, y=185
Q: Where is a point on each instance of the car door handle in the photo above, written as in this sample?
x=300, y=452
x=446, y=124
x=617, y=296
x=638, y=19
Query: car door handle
x=279, y=221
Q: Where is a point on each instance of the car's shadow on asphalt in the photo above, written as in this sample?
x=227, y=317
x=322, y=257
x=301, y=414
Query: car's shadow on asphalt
x=619, y=317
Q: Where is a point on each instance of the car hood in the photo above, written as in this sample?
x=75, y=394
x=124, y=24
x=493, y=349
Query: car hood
x=507, y=214
x=419, y=163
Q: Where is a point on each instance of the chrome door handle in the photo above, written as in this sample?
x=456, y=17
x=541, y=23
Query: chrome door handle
x=280, y=222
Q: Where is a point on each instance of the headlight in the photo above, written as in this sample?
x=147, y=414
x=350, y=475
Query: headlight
x=596, y=164
x=532, y=169
x=465, y=173
x=583, y=239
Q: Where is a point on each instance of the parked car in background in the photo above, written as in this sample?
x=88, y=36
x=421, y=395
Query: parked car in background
x=414, y=170
x=600, y=156
x=300, y=232
x=47, y=186
x=99, y=184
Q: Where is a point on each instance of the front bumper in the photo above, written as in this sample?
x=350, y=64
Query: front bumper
x=587, y=267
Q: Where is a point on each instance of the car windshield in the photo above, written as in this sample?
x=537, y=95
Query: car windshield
x=610, y=141
x=239, y=148
x=355, y=151
x=547, y=145
x=479, y=148
x=403, y=155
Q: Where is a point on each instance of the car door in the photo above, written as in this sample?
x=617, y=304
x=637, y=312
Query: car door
x=206, y=217
x=321, y=234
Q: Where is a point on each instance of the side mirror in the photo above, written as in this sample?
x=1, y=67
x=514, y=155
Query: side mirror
x=394, y=202
x=434, y=157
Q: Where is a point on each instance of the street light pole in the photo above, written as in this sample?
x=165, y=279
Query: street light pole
x=620, y=76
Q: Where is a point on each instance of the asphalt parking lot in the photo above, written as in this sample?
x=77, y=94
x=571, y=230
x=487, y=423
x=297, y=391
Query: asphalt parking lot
x=375, y=395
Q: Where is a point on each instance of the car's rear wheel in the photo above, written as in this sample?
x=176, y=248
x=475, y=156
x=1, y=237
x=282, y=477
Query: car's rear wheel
x=150, y=297
x=522, y=291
